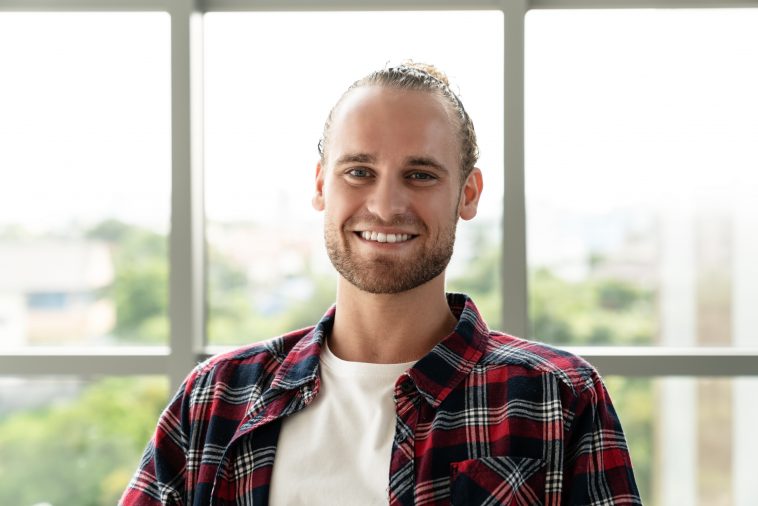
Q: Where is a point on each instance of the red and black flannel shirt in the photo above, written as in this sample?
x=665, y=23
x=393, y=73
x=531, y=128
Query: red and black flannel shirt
x=484, y=418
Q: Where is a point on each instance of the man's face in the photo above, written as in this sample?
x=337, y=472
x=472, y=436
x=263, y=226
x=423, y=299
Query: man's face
x=391, y=189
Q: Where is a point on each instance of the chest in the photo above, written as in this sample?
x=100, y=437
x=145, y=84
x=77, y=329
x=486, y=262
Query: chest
x=485, y=444
x=497, y=443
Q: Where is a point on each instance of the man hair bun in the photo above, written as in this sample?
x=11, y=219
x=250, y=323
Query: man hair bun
x=428, y=69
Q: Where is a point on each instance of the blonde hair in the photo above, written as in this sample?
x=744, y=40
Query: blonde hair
x=419, y=77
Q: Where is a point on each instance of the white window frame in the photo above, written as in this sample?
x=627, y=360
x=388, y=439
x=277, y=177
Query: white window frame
x=187, y=306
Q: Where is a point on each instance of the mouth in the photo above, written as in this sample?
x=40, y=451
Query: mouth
x=381, y=237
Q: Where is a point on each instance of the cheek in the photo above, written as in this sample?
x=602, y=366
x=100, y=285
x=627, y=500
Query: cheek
x=340, y=195
x=446, y=208
x=339, y=209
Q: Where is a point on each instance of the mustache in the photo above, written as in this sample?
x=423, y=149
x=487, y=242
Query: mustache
x=366, y=220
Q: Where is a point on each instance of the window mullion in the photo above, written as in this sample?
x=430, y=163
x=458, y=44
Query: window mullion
x=85, y=5
x=515, y=319
x=54, y=361
x=187, y=256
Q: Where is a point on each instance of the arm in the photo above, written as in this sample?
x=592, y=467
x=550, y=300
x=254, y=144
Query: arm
x=160, y=478
x=598, y=468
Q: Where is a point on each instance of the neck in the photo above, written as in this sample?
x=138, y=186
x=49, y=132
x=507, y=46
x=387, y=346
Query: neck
x=390, y=328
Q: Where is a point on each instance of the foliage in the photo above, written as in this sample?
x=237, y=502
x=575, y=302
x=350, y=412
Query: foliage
x=237, y=303
x=140, y=289
x=79, y=453
x=590, y=312
x=481, y=280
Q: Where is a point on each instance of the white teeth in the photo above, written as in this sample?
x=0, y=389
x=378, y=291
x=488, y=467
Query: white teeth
x=381, y=237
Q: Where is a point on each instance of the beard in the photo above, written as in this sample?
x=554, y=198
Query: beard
x=387, y=273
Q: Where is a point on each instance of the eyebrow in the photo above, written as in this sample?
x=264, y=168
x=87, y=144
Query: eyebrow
x=423, y=161
x=413, y=161
x=356, y=158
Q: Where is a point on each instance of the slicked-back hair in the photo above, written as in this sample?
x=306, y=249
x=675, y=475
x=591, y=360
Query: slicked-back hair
x=417, y=77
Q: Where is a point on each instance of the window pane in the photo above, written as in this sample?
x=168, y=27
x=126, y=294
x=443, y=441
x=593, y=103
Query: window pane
x=692, y=440
x=641, y=176
x=68, y=442
x=267, y=95
x=85, y=157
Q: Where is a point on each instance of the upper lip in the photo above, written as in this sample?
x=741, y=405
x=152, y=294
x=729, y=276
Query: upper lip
x=383, y=230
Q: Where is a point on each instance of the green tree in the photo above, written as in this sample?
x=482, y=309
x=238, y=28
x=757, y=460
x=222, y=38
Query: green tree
x=236, y=316
x=140, y=288
x=82, y=452
x=589, y=312
x=481, y=280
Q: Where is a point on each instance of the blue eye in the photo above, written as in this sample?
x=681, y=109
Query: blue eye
x=358, y=173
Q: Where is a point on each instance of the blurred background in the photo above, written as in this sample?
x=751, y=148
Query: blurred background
x=640, y=176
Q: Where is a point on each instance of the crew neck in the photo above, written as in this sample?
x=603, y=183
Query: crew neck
x=348, y=368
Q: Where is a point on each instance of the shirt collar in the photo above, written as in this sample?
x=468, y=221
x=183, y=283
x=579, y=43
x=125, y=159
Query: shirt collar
x=300, y=366
x=453, y=358
x=435, y=375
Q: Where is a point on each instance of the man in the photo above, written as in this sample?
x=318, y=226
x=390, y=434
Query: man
x=400, y=394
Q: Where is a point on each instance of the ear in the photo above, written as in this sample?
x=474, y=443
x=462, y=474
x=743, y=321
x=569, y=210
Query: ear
x=470, y=193
x=318, y=198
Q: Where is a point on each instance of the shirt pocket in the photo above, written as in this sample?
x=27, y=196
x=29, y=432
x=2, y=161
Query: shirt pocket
x=497, y=480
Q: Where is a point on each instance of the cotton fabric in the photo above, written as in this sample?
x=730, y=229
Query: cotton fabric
x=483, y=418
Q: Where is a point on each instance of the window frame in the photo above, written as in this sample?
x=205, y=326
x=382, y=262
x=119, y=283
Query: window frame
x=187, y=262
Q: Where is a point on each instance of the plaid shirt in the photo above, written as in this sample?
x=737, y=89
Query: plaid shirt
x=484, y=418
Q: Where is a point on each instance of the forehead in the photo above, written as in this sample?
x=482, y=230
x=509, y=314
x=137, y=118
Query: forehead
x=389, y=121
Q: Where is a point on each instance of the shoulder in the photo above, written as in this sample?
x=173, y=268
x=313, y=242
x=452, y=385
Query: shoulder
x=251, y=365
x=539, y=359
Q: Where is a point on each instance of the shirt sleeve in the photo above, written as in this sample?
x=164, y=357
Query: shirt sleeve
x=598, y=468
x=160, y=477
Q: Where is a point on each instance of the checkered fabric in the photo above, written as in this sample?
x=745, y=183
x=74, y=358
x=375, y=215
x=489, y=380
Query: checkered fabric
x=484, y=418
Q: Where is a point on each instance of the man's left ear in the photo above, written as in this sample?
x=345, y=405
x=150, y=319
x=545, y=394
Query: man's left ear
x=470, y=193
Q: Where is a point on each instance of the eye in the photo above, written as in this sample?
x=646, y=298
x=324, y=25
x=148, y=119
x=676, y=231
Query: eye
x=358, y=173
x=422, y=177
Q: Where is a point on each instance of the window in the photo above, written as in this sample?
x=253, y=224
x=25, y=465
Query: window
x=641, y=234
x=639, y=162
x=84, y=217
x=265, y=110
x=84, y=211
x=71, y=441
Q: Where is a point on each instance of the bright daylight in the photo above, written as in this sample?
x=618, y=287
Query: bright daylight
x=641, y=219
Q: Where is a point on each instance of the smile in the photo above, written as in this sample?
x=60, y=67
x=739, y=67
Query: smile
x=382, y=237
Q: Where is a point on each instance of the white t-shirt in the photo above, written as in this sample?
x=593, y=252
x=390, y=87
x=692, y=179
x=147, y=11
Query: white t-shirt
x=337, y=450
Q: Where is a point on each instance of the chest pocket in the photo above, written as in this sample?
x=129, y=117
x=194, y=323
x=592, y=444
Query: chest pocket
x=497, y=480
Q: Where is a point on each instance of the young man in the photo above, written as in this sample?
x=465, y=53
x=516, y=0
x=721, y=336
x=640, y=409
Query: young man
x=400, y=394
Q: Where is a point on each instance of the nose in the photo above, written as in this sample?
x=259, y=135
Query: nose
x=388, y=199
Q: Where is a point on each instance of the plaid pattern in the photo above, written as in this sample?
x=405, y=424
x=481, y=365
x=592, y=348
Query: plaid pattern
x=484, y=418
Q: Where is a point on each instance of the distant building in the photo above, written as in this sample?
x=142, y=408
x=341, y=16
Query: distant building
x=51, y=292
x=277, y=263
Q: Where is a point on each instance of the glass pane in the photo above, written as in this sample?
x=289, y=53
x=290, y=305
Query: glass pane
x=68, y=442
x=692, y=440
x=85, y=157
x=641, y=176
x=266, y=98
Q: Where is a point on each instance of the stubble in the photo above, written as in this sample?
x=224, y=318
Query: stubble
x=387, y=273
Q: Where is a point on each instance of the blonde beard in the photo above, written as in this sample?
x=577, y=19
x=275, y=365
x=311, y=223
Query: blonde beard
x=384, y=274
